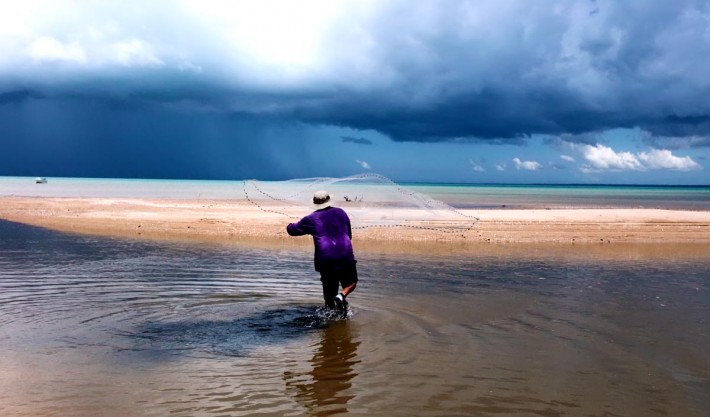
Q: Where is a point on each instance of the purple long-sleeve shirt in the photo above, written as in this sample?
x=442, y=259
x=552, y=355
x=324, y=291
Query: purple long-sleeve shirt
x=332, y=235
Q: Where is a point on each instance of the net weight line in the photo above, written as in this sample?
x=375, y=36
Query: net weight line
x=249, y=199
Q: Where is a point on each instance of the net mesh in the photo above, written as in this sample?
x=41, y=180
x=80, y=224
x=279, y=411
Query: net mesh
x=371, y=200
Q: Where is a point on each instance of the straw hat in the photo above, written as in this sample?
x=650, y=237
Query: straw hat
x=321, y=199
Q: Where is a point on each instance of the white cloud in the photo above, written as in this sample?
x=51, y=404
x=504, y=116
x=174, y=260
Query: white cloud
x=135, y=53
x=664, y=159
x=604, y=158
x=500, y=167
x=271, y=31
x=363, y=164
x=267, y=43
x=476, y=167
x=567, y=158
x=189, y=66
x=93, y=51
x=527, y=165
x=47, y=48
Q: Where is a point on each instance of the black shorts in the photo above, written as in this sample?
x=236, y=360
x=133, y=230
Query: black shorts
x=333, y=278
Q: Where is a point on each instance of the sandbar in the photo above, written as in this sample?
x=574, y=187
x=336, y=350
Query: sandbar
x=238, y=220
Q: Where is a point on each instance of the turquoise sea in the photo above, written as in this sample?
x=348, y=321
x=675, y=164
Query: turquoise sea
x=457, y=195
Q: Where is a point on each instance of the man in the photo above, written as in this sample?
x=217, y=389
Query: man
x=334, y=258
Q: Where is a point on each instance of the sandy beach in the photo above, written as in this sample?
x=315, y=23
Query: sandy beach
x=233, y=220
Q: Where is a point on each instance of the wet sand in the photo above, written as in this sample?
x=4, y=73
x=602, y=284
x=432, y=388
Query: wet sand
x=229, y=220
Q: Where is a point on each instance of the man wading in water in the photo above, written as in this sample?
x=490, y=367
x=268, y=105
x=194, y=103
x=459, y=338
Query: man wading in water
x=334, y=258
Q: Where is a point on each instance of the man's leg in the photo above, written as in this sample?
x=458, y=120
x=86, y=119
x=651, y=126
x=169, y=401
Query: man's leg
x=330, y=288
x=348, y=279
x=350, y=288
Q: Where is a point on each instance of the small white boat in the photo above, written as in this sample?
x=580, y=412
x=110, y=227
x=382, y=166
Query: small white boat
x=40, y=180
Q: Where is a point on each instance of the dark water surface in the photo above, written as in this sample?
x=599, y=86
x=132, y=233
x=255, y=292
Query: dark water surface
x=103, y=327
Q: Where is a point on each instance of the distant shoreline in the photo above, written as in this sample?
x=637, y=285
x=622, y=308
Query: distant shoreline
x=405, y=183
x=461, y=196
x=240, y=221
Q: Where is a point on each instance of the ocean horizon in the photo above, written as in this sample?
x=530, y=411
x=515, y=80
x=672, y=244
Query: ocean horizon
x=406, y=182
x=459, y=195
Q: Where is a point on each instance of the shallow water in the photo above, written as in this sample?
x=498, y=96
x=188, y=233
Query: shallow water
x=103, y=327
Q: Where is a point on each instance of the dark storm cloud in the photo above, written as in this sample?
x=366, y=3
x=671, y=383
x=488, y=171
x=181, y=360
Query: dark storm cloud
x=173, y=84
x=572, y=68
x=677, y=142
x=18, y=96
x=687, y=126
x=99, y=137
x=493, y=116
x=359, y=141
x=627, y=65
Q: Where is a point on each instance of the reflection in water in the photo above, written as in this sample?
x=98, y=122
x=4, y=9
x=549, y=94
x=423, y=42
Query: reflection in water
x=325, y=390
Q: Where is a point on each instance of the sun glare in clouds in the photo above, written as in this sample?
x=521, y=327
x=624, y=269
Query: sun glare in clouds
x=277, y=36
x=266, y=44
x=50, y=49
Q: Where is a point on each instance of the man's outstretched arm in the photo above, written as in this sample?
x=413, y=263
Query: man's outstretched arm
x=303, y=227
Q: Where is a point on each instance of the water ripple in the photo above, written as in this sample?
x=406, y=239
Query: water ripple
x=110, y=327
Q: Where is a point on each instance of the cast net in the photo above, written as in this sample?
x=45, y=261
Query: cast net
x=371, y=200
